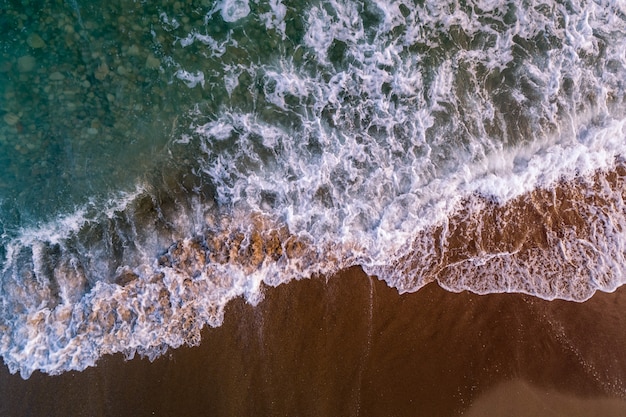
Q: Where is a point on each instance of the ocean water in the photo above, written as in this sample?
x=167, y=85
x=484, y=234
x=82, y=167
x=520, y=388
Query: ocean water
x=158, y=159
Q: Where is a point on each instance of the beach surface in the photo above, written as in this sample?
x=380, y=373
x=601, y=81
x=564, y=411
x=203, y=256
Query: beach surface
x=350, y=345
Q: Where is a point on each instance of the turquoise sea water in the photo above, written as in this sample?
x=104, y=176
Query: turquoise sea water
x=158, y=159
x=89, y=103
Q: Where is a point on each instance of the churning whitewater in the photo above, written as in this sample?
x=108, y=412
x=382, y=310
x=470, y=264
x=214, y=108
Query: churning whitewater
x=306, y=137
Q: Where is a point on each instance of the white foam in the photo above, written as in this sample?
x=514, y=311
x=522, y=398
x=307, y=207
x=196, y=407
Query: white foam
x=170, y=23
x=234, y=10
x=275, y=18
x=191, y=79
x=217, y=49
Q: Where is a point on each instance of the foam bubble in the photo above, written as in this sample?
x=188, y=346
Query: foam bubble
x=234, y=10
x=191, y=79
x=275, y=18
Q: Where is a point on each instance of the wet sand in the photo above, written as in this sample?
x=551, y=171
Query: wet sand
x=353, y=346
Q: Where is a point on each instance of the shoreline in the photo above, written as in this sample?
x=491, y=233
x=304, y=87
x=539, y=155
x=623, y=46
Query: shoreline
x=561, y=242
x=350, y=345
x=564, y=242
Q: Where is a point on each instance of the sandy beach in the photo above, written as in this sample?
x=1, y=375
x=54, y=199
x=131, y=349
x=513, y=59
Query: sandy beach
x=353, y=346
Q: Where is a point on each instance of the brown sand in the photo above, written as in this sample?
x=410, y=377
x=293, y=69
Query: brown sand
x=561, y=242
x=353, y=346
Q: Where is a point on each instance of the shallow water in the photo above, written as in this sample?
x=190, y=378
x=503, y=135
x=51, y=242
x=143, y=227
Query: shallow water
x=158, y=160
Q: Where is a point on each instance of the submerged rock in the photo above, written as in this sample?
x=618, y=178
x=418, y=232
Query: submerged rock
x=11, y=119
x=26, y=63
x=57, y=76
x=152, y=62
x=101, y=72
x=35, y=41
